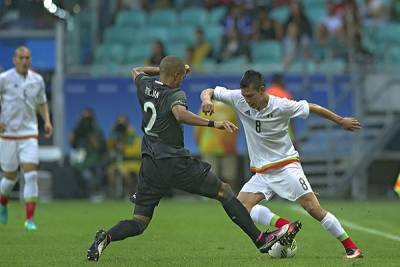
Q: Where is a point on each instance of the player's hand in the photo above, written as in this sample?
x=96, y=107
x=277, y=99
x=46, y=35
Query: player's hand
x=207, y=106
x=350, y=124
x=226, y=125
x=2, y=127
x=48, y=128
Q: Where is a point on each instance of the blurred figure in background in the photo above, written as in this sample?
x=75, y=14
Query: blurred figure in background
x=157, y=54
x=124, y=151
x=397, y=185
x=88, y=153
x=265, y=28
x=298, y=34
x=233, y=45
x=277, y=88
x=21, y=90
x=201, y=49
x=218, y=148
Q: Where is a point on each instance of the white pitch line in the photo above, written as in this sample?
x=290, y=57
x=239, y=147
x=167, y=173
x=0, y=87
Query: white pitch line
x=358, y=227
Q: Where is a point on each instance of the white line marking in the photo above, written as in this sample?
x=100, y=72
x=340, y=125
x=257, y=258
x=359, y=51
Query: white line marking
x=358, y=227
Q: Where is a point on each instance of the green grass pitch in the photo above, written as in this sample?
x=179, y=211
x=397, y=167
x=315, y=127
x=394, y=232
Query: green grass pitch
x=191, y=233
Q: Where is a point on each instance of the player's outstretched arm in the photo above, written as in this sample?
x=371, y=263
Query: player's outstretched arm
x=152, y=71
x=346, y=123
x=207, y=105
x=182, y=115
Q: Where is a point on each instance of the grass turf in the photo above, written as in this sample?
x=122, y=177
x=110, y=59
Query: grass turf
x=190, y=233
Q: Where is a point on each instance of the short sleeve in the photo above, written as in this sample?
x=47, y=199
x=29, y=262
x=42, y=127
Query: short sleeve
x=139, y=79
x=177, y=98
x=295, y=109
x=224, y=95
x=41, y=97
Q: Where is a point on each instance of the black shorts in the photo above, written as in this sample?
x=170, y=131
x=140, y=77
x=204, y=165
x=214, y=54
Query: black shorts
x=157, y=177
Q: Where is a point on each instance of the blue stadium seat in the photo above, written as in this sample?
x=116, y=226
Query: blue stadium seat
x=193, y=17
x=393, y=54
x=114, y=53
x=137, y=54
x=316, y=14
x=389, y=32
x=268, y=68
x=234, y=65
x=165, y=17
x=216, y=14
x=177, y=49
x=131, y=18
x=120, y=35
x=182, y=34
x=109, y=69
x=150, y=34
x=332, y=66
x=280, y=14
x=266, y=51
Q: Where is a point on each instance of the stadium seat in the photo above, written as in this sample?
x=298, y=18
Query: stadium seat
x=148, y=35
x=109, y=69
x=332, y=66
x=209, y=66
x=280, y=14
x=234, y=65
x=114, y=53
x=266, y=51
x=182, y=34
x=316, y=14
x=99, y=54
x=120, y=35
x=193, y=17
x=215, y=15
x=130, y=18
x=177, y=49
x=268, y=68
x=389, y=32
x=165, y=17
x=393, y=55
x=137, y=54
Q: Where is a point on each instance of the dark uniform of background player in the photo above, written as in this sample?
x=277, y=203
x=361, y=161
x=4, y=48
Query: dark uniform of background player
x=166, y=164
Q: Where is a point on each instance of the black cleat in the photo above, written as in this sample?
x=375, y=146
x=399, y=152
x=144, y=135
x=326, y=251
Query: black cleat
x=100, y=242
x=273, y=237
x=294, y=228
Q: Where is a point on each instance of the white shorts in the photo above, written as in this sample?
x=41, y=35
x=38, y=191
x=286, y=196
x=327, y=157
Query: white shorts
x=16, y=152
x=288, y=182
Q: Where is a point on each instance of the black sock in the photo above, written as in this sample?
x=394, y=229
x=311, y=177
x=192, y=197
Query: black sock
x=126, y=229
x=240, y=216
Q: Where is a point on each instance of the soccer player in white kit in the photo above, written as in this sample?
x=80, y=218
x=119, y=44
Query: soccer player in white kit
x=21, y=90
x=274, y=161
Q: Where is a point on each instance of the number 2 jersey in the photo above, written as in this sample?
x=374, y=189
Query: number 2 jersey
x=163, y=134
x=268, y=142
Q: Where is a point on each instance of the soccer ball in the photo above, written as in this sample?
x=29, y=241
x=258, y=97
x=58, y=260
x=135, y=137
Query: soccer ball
x=280, y=251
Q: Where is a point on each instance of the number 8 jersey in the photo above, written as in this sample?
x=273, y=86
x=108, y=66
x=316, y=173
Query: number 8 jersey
x=163, y=135
x=268, y=142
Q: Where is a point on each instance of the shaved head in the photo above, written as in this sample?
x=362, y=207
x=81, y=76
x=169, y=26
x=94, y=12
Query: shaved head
x=21, y=49
x=170, y=65
x=22, y=60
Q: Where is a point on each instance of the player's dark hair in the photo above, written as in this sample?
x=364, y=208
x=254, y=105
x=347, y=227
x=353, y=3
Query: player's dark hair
x=170, y=65
x=252, y=78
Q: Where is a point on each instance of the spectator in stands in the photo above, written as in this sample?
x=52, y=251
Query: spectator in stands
x=157, y=55
x=201, y=49
x=124, y=151
x=374, y=12
x=333, y=22
x=233, y=45
x=298, y=34
x=219, y=148
x=395, y=10
x=237, y=20
x=88, y=154
x=265, y=28
x=325, y=47
x=189, y=56
x=277, y=88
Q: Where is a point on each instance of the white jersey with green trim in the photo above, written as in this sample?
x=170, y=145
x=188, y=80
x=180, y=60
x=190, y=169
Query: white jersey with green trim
x=268, y=142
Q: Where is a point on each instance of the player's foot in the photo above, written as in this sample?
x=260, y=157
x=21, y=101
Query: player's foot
x=294, y=228
x=273, y=237
x=100, y=242
x=3, y=214
x=353, y=253
x=30, y=225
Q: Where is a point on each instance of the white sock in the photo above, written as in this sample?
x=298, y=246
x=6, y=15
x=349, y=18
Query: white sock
x=261, y=214
x=332, y=225
x=6, y=186
x=31, y=190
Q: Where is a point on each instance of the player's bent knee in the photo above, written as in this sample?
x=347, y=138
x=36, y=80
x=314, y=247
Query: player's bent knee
x=11, y=175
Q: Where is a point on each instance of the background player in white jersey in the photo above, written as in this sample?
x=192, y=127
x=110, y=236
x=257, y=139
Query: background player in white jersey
x=20, y=91
x=274, y=161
